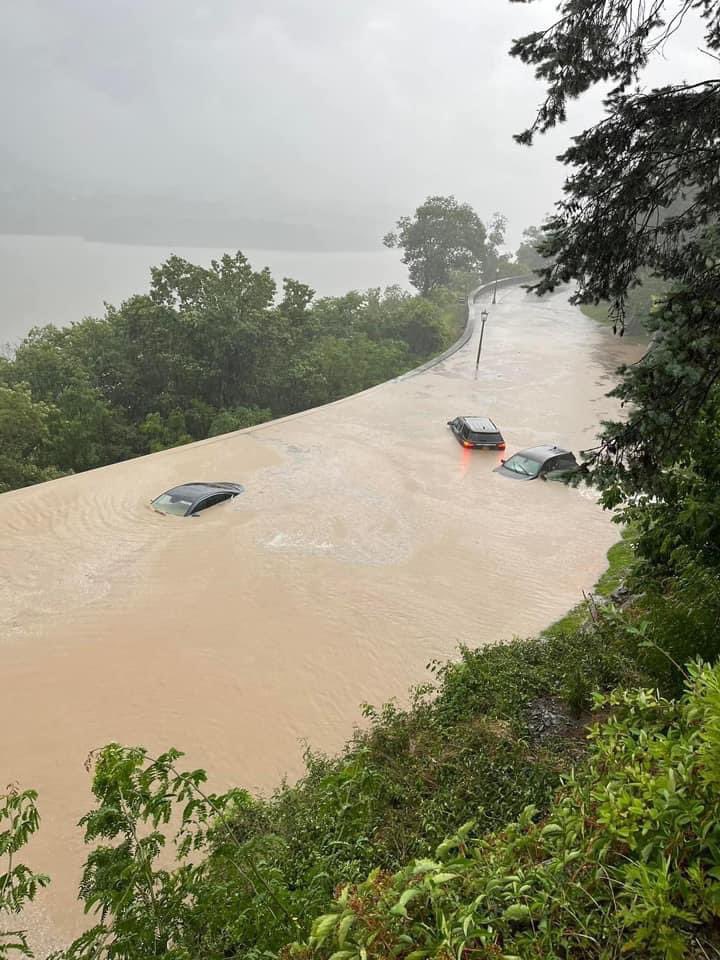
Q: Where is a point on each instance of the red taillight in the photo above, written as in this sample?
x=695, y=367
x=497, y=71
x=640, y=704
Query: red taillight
x=501, y=446
x=466, y=444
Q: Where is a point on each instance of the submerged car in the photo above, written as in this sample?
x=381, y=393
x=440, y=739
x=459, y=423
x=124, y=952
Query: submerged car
x=190, y=499
x=477, y=432
x=548, y=462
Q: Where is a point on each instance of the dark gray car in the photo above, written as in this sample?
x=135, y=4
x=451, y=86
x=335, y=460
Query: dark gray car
x=477, y=432
x=548, y=462
x=190, y=499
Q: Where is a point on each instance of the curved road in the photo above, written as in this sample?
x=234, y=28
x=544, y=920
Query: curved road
x=367, y=543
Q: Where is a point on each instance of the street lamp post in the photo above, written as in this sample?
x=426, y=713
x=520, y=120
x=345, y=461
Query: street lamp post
x=483, y=319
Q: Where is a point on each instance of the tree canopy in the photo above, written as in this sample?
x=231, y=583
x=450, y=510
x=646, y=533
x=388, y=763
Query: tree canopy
x=207, y=350
x=641, y=199
x=527, y=254
x=444, y=236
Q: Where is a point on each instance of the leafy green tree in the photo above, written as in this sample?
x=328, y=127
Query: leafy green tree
x=227, y=308
x=624, y=208
x=442, y=236
x=419, y=323
x=198, y=418
x=237, y=419
x=527, y=255
x=19, y=820
x=167, y=877
x=641, y=198
x=348, y=366
x=162, y=432
x=496, y=264
x=24, y=434
x=206, y=351
x=85, y=431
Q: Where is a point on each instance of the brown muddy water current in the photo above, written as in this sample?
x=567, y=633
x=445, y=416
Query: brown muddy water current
x=366, y=544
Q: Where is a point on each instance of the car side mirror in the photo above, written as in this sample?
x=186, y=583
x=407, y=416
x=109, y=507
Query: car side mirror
x=501, y=460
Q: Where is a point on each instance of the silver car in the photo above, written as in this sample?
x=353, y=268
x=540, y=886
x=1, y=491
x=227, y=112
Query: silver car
x=548, y=462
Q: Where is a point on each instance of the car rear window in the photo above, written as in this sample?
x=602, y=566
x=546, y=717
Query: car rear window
x=485, y=437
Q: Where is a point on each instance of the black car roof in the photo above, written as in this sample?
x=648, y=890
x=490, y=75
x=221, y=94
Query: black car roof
x=541, y=454
x=198, y=489
x=480, y=424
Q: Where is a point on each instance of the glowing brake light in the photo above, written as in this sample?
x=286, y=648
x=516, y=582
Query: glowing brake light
x=466, y=444
x=501, y=446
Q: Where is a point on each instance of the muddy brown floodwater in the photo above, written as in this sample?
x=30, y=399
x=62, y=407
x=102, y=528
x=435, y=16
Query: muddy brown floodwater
x=367, y=543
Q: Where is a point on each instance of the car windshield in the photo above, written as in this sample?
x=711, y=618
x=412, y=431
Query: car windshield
x=172, y=503
x=522, y=465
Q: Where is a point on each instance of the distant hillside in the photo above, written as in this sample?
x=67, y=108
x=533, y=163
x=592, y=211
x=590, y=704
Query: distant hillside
x=168, y=222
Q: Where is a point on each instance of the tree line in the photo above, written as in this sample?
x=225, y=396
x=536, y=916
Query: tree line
x=206, y=351
x=212, y=349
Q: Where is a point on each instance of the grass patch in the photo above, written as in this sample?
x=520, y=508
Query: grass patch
x=638, y=304
x=620, y=558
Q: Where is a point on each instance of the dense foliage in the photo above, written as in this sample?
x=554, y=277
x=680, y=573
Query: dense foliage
x=206, y=351
x=639, y=303
x=19, y=819
x=627, y=863
x=528, y=253
x=641, y=205
x=444, y=238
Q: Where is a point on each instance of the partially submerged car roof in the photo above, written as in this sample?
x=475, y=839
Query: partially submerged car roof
x=188, y=499
x=480, y=424
x=199, y=488
x=541, y=454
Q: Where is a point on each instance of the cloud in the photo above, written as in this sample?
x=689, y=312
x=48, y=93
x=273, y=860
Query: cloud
x=295, y=108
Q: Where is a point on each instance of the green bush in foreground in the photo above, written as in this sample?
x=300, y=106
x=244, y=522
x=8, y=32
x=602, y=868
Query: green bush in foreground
x=19, y=819
x=627, y=863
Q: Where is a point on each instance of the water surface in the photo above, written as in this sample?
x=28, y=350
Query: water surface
x=62, y=279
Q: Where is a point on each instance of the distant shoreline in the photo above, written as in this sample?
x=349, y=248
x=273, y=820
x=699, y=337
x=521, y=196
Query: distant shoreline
x=187, y=243
x=59, y=278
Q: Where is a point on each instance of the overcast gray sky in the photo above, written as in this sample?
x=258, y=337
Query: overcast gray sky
x=285, y=107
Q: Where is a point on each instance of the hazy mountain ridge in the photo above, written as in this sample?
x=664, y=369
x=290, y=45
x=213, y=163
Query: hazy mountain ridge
x=167, y=221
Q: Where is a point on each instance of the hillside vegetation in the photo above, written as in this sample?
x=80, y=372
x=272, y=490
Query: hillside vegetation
x=207, y=351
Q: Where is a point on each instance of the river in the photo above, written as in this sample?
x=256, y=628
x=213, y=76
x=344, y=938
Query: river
x=62, y=279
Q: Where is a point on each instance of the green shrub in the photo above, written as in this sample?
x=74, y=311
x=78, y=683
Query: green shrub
x=19, y=820
x=627, y=863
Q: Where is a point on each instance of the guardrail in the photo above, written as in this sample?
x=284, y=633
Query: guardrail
x=469, y=323
x=463, y=339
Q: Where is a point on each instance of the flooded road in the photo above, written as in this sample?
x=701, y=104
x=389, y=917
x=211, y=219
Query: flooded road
x=367, y=543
